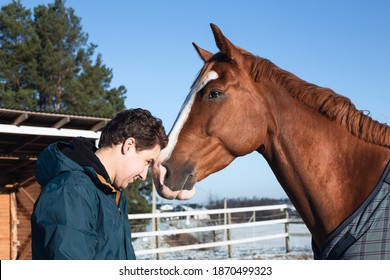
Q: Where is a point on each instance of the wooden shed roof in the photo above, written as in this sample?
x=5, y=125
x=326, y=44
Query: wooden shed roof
x=24, y=134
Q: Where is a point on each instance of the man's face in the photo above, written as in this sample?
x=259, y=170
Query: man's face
x=135, y=166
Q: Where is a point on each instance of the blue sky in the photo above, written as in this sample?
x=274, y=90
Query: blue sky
x=343, y=45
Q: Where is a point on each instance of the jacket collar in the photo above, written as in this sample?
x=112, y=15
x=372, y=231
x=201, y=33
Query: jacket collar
x=109, y=187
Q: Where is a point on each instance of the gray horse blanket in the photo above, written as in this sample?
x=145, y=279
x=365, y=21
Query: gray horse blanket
x=366, y=233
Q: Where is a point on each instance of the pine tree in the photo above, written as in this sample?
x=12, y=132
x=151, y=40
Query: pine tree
x=61, y=52
x=19, y=46
x=91, y=91
x=47, y=63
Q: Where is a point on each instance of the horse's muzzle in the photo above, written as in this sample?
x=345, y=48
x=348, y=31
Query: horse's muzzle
x=178, y=184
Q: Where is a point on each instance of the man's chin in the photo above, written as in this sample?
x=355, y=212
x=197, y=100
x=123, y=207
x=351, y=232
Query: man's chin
x=131, y=181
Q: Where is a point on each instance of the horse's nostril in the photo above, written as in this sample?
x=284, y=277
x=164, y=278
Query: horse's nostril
x=189, y=182
x=167, y=173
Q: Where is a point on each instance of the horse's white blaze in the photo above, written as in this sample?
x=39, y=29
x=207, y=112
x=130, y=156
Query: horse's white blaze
x=183, y=115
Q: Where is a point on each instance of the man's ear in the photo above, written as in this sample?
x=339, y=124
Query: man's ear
x=128, y=145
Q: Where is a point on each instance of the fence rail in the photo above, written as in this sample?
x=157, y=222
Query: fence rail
x=227, y=226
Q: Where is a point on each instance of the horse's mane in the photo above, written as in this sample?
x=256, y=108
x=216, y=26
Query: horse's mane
x=324, y=100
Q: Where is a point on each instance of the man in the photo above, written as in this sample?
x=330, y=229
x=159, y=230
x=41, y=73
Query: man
x=81, y=212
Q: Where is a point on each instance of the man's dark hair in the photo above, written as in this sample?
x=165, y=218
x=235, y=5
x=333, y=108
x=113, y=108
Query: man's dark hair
x=147, y=130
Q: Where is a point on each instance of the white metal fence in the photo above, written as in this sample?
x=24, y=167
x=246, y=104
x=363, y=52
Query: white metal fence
x=225, y=225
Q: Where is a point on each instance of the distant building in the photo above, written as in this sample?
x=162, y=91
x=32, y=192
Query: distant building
x=198, y=216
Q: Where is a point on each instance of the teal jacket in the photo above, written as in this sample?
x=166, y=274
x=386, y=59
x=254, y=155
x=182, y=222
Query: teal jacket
x=78, y=214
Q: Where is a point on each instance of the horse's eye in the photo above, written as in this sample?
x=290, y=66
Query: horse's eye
x=214, y=94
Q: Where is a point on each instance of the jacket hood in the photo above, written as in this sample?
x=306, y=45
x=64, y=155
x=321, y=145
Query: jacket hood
x=77, y=155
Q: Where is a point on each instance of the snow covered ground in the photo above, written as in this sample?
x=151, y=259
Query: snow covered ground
x=261, y=250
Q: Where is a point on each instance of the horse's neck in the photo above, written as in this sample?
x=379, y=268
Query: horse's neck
x=326, y=172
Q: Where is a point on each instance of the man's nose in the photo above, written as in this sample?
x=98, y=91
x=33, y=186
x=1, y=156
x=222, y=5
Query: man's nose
x=144, y=173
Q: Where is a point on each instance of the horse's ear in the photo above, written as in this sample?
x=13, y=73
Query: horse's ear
x=224, y=45
x=204, y=55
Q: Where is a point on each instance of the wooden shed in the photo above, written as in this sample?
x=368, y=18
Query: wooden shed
x=23, y=135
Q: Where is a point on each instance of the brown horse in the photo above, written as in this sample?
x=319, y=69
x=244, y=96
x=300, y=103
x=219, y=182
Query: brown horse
x=328, y=156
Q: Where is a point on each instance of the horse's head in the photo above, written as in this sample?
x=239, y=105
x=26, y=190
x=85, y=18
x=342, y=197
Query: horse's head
x=217, y=123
